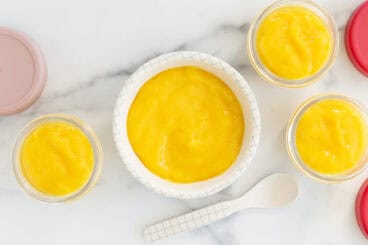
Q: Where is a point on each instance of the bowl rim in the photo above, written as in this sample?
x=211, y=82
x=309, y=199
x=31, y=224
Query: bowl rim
x=174, y=190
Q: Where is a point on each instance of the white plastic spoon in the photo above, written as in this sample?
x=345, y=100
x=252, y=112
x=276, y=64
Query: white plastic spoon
x=276, y=190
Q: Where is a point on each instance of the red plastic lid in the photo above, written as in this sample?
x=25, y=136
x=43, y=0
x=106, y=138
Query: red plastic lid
x=22, y=72
x=361, y=208
x=356, y=38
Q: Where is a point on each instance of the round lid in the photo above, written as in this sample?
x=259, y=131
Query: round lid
x=22, y=72
x=361, y=208
x=356, y=38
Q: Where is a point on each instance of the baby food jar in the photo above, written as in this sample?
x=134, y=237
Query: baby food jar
x=298, y=35
x=335, y=137
x=46, y=169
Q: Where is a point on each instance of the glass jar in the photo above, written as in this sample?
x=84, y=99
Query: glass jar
x=269, y=76
x=96, y=146
x=293, y=151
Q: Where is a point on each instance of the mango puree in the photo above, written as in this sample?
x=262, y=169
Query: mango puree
x=186, y=125
x=331, y=136
x=293, y=42
x=57, y=158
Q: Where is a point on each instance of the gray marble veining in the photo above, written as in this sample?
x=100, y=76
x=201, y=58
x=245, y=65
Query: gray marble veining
x=92, y=47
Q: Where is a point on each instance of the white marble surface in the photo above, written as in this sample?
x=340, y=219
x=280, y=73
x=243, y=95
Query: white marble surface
x=91, y=48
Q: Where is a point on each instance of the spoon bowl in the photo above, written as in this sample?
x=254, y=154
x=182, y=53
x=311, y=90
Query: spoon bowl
x=273, y=191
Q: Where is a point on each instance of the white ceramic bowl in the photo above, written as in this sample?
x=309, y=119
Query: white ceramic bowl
x=240, y=88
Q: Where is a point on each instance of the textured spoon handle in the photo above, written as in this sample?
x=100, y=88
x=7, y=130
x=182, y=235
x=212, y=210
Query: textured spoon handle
x=189, y=221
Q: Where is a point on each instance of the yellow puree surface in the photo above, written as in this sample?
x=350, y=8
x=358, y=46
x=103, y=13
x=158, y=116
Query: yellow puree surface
x=331, y=136
x=57, y=158
x=293, y=42
x=186, y=125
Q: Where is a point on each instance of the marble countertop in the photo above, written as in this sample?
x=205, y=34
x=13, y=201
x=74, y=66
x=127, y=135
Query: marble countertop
x=91, y=48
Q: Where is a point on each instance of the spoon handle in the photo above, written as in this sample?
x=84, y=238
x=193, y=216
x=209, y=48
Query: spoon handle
x=189, y=221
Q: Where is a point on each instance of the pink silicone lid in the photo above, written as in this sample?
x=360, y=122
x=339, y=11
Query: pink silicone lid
x=356, y=38
x=22, y=72
x=361, y=208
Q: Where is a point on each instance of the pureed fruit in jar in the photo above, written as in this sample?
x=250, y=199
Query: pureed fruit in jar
x=57, y=158
x=186, y=125
x=331, y=136
x=293, y=42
